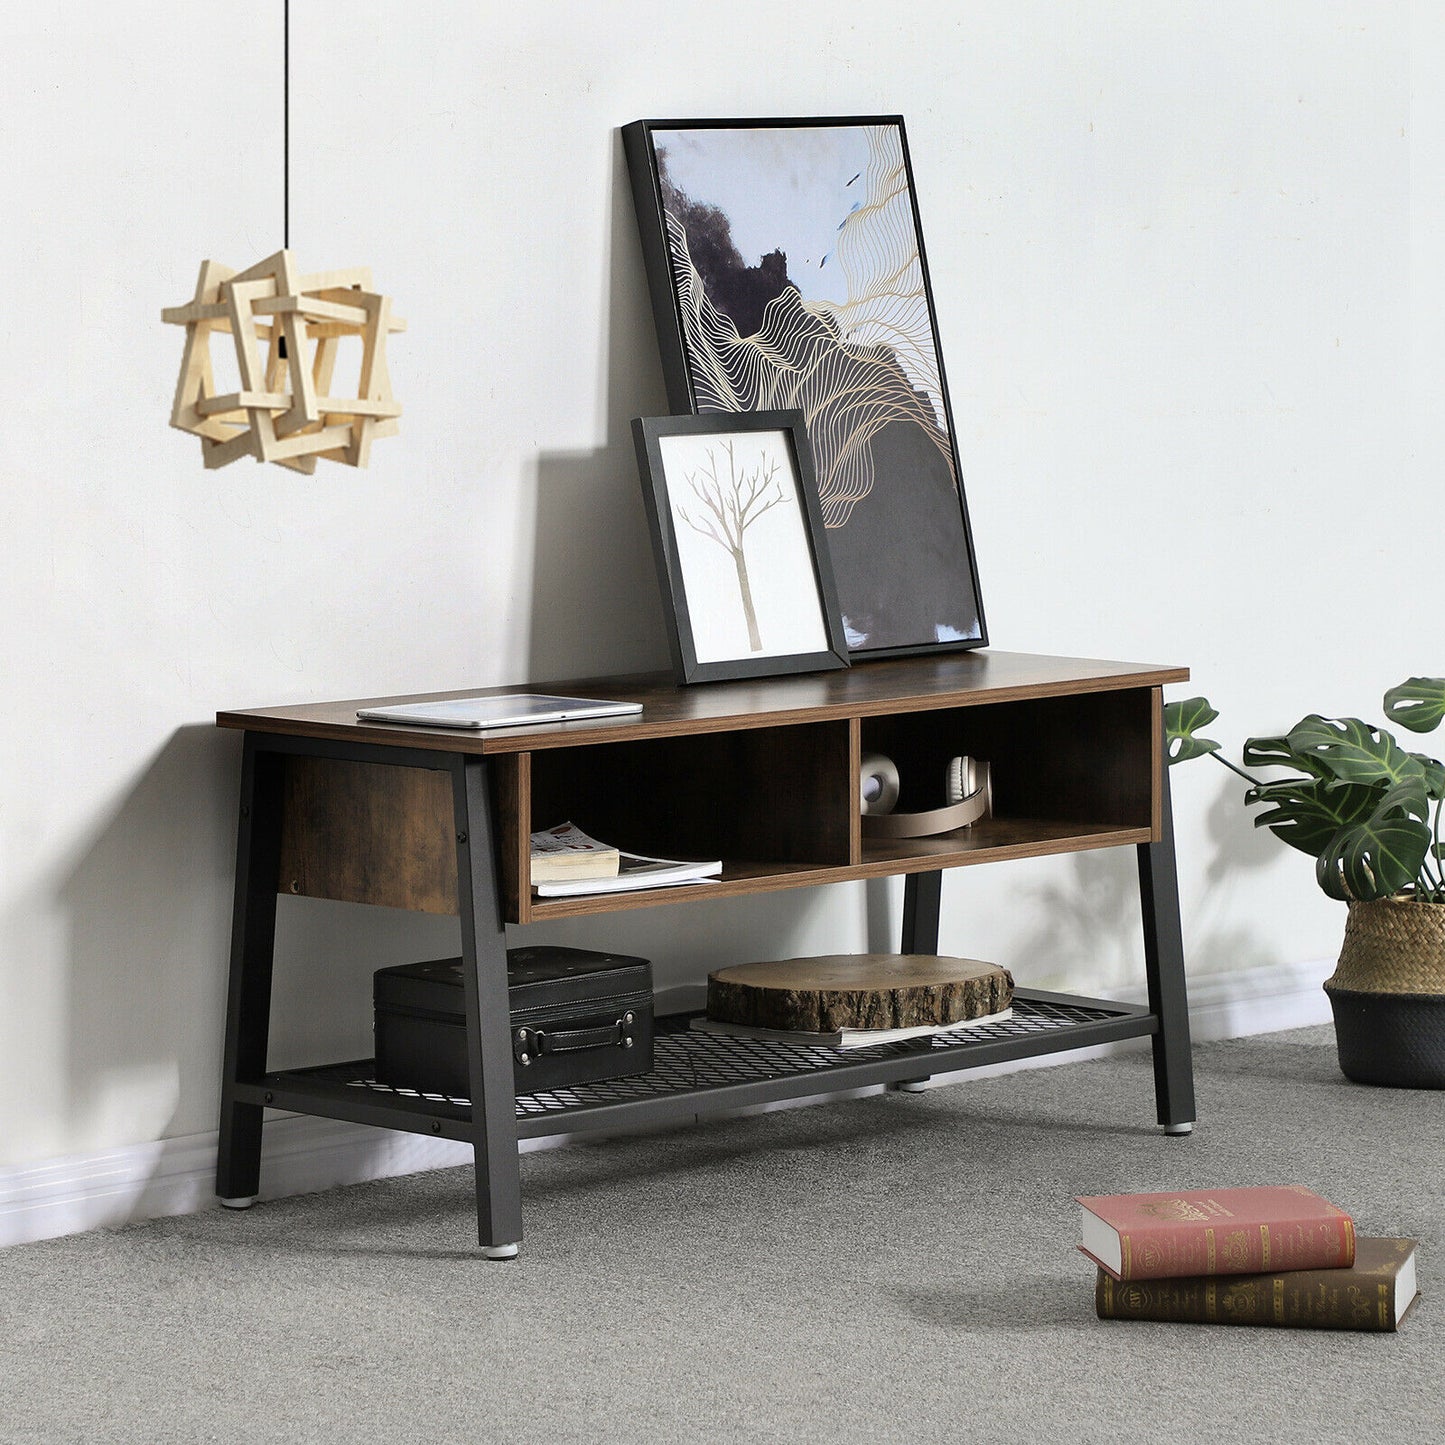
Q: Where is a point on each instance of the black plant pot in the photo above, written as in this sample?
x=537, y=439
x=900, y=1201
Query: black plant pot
x=1396, y=1039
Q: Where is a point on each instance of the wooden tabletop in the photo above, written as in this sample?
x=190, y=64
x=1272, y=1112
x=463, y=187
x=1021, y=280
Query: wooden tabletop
x=905, y=684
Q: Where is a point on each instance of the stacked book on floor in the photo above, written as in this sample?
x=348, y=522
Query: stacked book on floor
x=1265, y=1255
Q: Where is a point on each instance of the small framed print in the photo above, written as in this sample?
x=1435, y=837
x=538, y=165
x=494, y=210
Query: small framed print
x=737, y=533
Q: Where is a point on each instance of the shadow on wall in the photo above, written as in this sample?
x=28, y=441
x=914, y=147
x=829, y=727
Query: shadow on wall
x=149, y=918
x=685, y=941
x=595, y=600
x=883, y=919
x=149, y=906
x=595, y=604
x=1238, y=846
x=1089, y=929
x=1238, y=849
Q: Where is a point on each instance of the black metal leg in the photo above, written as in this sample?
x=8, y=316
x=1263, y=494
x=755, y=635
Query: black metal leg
x=922, y=894
x=1164, y=965
x=489, y=1044
x=253, y=940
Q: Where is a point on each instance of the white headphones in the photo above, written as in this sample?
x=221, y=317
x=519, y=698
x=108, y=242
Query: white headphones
x=968, y=787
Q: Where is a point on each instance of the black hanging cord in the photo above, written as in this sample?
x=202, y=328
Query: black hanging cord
x=285, y=146
x=286, y=126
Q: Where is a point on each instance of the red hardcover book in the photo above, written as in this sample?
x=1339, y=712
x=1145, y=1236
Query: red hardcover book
x=1253, y=1230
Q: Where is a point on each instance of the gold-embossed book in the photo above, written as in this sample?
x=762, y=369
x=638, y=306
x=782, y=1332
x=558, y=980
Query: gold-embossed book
x=1374, y=1293
x=1215, y=1231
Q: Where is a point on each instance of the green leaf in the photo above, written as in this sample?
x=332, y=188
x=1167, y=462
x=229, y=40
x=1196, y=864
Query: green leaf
x=1351, y=750
x=1308, y=814
x=1434, y=775
x=1374, y=860
x=1408, y=798
x=1180, y=721
x=1276, y=752
x=1418, y=703
x=1385, y=852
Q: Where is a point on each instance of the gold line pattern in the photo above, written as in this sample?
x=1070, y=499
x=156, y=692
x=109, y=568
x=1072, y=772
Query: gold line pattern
x=853, y=367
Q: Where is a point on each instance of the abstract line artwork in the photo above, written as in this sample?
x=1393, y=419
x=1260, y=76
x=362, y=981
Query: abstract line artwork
x=787, y=271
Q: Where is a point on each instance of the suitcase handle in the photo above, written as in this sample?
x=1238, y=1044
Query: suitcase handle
x=529, y=1044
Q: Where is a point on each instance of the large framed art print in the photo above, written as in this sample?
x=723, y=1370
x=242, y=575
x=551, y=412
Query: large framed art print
x=786, y=270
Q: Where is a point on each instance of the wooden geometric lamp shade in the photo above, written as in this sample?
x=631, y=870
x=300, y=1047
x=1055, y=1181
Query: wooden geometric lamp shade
x=285, y=412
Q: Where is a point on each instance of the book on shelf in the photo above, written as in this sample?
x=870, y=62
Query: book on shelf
x=567, y=852
x=1215, y=1231
x=845, y=1038
x=1374, y=1293
x=633, y=871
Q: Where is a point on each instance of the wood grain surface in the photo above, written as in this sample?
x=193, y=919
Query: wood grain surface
x=869, y=689
x=761, y=773
x=857, y=991
x=368, y=833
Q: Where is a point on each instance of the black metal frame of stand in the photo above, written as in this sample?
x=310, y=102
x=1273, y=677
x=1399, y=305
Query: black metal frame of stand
x=695, y=1072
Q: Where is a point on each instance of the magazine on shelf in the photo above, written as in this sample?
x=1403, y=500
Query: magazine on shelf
x=634, y=871
x=846, y=1038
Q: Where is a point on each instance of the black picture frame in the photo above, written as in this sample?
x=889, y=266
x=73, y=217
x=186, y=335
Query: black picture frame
x=867, y=372
x=739, y=606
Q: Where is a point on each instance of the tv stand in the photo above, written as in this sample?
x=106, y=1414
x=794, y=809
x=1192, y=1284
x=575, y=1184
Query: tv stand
x=763, y=774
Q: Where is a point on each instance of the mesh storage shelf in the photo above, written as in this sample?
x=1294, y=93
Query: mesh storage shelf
x=696, y=1071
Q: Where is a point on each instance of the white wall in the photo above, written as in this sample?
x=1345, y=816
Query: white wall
x=1180, y=264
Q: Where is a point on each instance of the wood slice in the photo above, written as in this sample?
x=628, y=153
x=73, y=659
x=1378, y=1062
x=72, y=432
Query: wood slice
x=857, y=991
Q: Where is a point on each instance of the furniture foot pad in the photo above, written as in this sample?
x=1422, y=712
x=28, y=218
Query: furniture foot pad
x=243, y=1202
x=500, y=1251
x=912, y=1086
x=1178, y=1128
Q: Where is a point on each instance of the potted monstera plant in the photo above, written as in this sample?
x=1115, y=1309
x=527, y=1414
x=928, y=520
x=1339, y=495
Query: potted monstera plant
x=1368, y=811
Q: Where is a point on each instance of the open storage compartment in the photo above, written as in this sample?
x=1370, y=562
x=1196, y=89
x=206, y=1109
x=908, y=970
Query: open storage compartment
x=1067, y=772
x=770, y=802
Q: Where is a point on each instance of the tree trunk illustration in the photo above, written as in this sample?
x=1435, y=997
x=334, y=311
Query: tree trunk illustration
x=731, y=506
x=755, y=642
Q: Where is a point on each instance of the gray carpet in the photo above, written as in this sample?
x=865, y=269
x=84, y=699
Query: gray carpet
x=898, y=1267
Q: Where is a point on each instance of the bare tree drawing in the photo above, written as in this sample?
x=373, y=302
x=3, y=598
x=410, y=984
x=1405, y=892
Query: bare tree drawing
x=730, y=506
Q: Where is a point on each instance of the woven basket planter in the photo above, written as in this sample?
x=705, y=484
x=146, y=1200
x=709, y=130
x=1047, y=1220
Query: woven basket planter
x=1388, y=994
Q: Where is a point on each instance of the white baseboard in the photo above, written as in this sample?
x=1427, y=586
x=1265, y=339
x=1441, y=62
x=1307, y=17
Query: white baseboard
x=301, y=1155
x=1259, y=1000
x=177, y=1176
x=1221, y=1006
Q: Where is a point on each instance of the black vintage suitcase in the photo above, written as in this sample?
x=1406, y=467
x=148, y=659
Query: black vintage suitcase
x=577, y=1016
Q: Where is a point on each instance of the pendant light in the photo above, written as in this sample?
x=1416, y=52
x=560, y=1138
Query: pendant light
x=287, y=327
